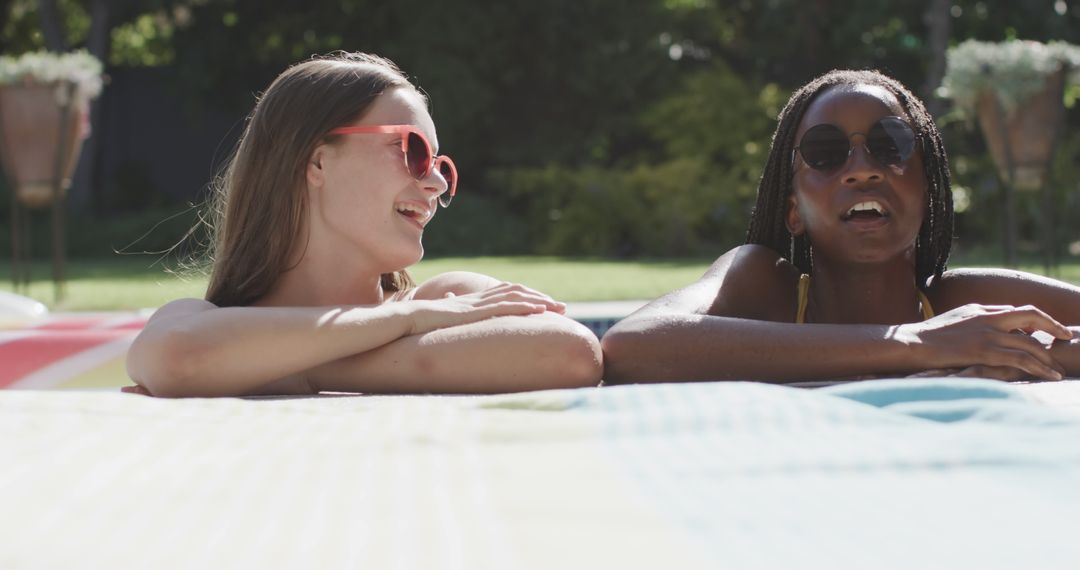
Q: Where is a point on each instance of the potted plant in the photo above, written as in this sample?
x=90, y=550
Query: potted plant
x=44, y=117
x=1015, y=89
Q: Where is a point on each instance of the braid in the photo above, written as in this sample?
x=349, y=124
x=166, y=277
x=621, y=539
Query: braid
x=936, y=234
x=768, y=222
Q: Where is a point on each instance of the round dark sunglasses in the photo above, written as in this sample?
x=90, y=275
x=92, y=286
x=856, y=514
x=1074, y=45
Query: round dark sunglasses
x=825, y=147
x=420, y=160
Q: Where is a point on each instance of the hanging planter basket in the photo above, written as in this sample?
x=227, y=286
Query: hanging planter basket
x=1024, y=140
x=41, y=133
x=1015, y=90
x=44, y=117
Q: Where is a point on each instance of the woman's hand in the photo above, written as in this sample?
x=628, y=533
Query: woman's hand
x=987, y=341
x=1003, y=373
x=501, y=300
x=136, y=389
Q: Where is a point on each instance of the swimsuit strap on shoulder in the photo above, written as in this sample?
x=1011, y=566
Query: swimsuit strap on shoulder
x=927, y=310
x=803, y=297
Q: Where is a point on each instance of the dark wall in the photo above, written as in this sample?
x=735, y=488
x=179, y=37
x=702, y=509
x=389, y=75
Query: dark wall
x=151, y=147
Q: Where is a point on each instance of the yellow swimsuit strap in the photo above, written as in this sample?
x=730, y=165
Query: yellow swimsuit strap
x=927, y=310
x=804, y=297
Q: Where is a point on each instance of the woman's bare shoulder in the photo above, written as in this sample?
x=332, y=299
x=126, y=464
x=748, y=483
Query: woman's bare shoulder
x=180, y=308
x=753, y=258
x=754, y=282
x=996, y=286
x=456, y=282
x=749, y=282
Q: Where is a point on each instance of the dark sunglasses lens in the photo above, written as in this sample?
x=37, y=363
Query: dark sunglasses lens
x=450, y=175
x=824, y=147
x=417, y=156
x=891, y=141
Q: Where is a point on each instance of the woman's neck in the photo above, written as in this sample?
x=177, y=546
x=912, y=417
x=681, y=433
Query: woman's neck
x=320, y=280
x=863, y=294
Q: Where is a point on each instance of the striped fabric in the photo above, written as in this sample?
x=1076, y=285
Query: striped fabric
x=69, y=351
x=881, y=474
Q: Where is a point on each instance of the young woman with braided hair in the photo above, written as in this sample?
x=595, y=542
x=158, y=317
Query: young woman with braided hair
x=844, y=271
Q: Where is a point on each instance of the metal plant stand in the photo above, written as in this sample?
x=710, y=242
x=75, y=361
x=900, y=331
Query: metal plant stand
x=1008, y=201
x=21, y=244
x=1046, y=110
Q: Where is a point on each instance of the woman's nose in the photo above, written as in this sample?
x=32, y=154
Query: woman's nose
x=435, y=182
x=861, y=166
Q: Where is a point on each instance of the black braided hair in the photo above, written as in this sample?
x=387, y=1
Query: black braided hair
x=767, y=222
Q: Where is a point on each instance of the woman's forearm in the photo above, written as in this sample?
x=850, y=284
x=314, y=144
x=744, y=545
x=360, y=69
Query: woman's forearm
x=665, y=348
x=237, y=350
x=504, y=354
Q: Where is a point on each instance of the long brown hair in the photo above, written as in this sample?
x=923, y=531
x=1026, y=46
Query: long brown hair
x=258, y=208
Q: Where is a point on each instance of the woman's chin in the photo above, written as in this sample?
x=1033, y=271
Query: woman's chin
x=405, y=259
x=419, y=255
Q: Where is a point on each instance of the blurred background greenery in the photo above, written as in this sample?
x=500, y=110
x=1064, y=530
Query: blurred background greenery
x=609, y=128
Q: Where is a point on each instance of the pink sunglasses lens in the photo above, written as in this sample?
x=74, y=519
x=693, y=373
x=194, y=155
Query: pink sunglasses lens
x=419, y=160
x=417, y=156
x=450, y=175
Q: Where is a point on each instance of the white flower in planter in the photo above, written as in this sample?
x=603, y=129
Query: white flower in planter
x=1015, y=89
x=41, y=136
x=1013, y=71
x=78, y=67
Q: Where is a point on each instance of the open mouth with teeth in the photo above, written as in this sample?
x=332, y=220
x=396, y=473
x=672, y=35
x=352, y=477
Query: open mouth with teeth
x=865, y=211
x=413, y=212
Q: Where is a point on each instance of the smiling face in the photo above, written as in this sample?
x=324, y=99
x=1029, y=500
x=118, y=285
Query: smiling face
x=364, y=201
x=863, y=210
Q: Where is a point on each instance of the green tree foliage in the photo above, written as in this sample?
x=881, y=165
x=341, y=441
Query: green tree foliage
x=582, y=126
x=792, y=41
x=514, y=82
x=692, y=194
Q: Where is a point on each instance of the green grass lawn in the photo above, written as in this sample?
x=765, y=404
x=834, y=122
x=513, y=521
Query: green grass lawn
x=138, y=282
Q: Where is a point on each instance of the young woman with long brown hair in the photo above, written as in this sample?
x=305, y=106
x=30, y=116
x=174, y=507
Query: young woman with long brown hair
x=320, y=211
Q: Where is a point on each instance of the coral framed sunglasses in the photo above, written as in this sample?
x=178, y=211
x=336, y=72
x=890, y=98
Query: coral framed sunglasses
x=420, y=159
